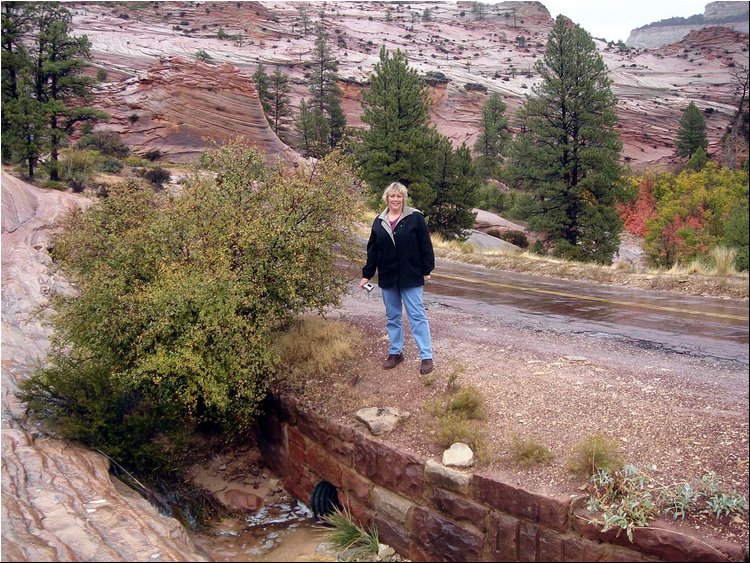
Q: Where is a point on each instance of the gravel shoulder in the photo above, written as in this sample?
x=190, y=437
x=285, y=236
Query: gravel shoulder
x=686, y=416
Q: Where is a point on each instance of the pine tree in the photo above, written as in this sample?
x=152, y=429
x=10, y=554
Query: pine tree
x=312, y=130
x=280, y=108
x=455, y=186
x=398, y=144
x=326, y=94
x=263, y=87
x=698, y=161
x=566, y=154
x=692, y=132
x=494, y=134
x=304, y=19
x=59, y=60
x=16, y=22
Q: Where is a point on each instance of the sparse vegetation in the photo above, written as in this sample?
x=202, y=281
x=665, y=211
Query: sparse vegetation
x=355, y=541
x=595, y=453
x=313, y=347
x=629, y=498
x=458, y=419
x=528, y=451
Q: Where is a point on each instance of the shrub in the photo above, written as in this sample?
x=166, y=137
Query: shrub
x=528, y=452
x=467, y=402
x=178, y=296
x=595, y=453
x=452, y=428
x=157, y=176
x=134, y=161
x=517, y=238
x=203, y=56
x=489, y=196
x=313, y=347
x=152, y=155
x=53, y=185
x=106, y=142
x=76, y=167
x=111, y=165
x=101, y=75
x=736, y=235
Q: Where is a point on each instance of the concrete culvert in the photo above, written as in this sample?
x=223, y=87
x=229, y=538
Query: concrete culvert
x=324, y=499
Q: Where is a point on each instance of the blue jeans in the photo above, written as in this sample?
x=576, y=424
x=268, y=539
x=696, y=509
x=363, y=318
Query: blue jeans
x=412, y=300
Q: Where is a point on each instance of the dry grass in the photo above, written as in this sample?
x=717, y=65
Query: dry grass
x=529, y=451
x=314, y=347
x=458, y=419
x=593, y=453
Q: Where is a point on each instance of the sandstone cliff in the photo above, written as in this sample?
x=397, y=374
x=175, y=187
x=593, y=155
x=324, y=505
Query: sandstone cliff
x=732, y=15
x=162, y=98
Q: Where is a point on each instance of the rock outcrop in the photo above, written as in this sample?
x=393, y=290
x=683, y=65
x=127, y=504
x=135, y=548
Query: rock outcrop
x=731, y=15
x=163, y=98
x=59, y=502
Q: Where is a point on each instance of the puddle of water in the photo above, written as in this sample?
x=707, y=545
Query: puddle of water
x=284, y=531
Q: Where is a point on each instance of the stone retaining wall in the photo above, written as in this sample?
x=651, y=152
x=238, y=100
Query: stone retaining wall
x=429, y=512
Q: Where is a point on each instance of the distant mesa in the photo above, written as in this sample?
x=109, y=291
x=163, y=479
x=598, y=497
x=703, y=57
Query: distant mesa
x=733, y=15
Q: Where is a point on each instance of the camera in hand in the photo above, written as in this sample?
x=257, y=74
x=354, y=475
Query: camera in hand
x=368, y=286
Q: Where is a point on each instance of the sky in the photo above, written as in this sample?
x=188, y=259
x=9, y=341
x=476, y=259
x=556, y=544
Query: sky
x=614, y=20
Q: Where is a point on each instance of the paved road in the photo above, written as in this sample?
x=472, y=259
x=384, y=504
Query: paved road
x=700, y=326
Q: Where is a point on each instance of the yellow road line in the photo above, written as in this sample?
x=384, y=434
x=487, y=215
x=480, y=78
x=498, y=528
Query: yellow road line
x=600, y=299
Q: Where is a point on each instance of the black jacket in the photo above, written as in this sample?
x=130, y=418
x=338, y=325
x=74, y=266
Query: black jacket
x=403, y=257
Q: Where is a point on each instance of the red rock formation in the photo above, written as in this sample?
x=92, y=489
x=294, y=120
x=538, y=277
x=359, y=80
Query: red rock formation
x=177, y=104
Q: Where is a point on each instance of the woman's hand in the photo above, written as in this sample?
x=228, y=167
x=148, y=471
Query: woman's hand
x=427, y=277
x=363, y=281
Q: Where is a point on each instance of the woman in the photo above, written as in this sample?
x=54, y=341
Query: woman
x=400, y=250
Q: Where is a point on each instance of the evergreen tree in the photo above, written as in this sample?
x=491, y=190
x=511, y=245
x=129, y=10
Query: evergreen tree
x=16, y=21
x=312, y=130
x=303, y=18
x=494, y=134
x=59, y=60
x=698, y=161
x=567, y=152
x=263, y=87
x=455, y=187
x=399, y=142
x=326, y=94
x=280, y=108
x=692, y=132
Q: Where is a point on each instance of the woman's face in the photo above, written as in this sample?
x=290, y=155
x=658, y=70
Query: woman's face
x=395, y=201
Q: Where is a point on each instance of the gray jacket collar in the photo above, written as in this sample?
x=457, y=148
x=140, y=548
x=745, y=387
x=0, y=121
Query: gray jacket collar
x=387, y=224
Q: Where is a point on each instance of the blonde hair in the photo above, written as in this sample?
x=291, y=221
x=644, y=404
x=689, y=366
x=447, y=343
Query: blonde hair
x=395, y=187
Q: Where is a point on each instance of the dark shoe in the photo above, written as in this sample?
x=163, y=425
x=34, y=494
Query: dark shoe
x=393, y=360
x=426, y=367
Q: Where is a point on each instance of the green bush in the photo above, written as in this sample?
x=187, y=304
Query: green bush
x=518, y=238
x=179, y=296
x=53, y=185
x=736, y=235
x=490, y=198
x=152, y=155
x=157, y=176
x=76, y=167
x=111, y=165
x=106, y=142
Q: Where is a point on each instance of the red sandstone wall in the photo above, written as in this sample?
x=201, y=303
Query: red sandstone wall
x=428, y=512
